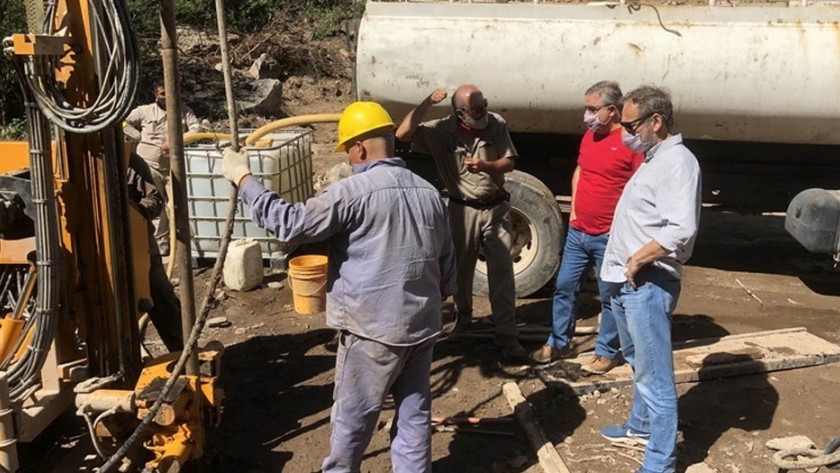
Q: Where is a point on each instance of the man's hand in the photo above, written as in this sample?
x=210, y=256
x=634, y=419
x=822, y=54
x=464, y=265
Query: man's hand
x=235, y=166
x=475, y=165
x=165, y=146
x=633, y=267
x=437, y=96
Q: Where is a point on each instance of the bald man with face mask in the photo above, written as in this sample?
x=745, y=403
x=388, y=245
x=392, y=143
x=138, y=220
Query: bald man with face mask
x=473, y=150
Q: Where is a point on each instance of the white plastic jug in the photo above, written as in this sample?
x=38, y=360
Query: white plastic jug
x=243, y=268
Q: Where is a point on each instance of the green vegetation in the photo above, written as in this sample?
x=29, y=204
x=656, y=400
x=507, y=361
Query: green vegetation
x=322, y=17
x=15, y=130
x=12, y=20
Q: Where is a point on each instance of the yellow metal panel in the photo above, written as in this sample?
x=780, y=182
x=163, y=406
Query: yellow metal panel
x=38, y=45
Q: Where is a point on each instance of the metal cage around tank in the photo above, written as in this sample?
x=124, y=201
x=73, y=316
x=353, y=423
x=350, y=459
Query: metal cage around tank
x=284, y=166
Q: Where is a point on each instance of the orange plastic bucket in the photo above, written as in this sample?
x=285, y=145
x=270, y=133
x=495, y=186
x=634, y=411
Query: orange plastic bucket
x=308, y=280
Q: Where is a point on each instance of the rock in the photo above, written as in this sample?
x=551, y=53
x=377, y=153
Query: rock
x=262, y=96
x=700, y=468
x=386, y=424
x=243, y=269
x=218, y=322
x=265, y=67
x=338, y=172
x=220, y=295
x=798, y=442
x=240, y=331
x=276, y=285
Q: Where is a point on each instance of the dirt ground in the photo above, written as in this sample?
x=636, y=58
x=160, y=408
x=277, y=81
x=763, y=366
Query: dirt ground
x=278, y=372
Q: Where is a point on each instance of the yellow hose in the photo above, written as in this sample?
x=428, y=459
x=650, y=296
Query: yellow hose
x=250, y=140
x=196, y=136
x=290, y=121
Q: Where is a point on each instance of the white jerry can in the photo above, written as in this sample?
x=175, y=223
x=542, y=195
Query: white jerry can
x=243, y=268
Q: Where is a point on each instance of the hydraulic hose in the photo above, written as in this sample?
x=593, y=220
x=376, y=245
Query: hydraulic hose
x=301, y=120
x=25, y=372
x=117, y=84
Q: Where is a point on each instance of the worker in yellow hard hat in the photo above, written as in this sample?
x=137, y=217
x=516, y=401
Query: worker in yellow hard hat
x=363, y=118
x=391, y=263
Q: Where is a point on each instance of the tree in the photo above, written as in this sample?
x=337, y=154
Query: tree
x=12, y=20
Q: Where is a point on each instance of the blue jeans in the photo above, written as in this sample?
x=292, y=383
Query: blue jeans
x=643, y=316
x=580, y=253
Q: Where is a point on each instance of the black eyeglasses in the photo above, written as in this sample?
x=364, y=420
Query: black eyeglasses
x=591, y=109
x=632, y=125
x=475, y=110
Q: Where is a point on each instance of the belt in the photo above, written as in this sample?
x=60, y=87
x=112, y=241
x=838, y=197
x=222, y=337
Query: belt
x=488, y=203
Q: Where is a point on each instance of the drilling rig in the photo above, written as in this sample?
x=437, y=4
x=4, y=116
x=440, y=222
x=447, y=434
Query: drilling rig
x=74, y=256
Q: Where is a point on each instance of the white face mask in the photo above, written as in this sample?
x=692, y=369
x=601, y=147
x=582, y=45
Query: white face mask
x=634, y=142
x=471, y=122
x=594, y=123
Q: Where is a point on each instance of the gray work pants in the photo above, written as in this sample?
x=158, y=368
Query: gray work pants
x=162, y=223
x=490, y=230
x=365, y=372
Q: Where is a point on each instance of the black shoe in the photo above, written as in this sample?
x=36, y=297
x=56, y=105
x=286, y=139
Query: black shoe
x=457, y=333
x=511, y=348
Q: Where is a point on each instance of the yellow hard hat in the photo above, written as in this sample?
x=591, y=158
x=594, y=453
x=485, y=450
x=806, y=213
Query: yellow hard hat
x=360, y=118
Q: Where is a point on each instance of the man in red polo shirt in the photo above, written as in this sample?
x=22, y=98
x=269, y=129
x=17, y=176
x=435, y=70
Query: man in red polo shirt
x=604, y=167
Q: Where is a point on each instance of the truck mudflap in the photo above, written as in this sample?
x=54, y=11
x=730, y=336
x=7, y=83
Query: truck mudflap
x=538, y=236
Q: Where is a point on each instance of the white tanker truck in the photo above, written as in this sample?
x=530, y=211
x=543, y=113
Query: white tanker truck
x=756, y=90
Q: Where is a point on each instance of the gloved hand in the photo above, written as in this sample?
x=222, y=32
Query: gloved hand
x=235, y=166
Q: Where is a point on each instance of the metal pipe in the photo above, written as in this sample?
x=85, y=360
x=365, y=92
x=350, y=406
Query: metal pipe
x=171, y=78
x=231, y=102
x=8, y=439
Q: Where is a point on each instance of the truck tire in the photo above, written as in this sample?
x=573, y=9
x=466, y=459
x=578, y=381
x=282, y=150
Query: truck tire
x=538, y=236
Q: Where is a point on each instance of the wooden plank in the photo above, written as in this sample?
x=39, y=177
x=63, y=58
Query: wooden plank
x=732, y=355
x=546, y=453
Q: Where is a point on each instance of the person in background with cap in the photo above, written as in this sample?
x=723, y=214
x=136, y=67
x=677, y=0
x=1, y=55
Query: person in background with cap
x=391, y=263
x=473, y=151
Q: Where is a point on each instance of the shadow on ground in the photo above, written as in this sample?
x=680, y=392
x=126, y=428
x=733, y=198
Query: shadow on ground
x=759, y=244
x=264, y=401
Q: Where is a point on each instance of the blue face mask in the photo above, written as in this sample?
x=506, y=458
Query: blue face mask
x=634, y=142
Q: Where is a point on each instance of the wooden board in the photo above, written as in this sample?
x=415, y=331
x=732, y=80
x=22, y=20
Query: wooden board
x=708, y=358
x=550, y=460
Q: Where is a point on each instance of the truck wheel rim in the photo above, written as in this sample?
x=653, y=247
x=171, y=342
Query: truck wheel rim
x=525, y=243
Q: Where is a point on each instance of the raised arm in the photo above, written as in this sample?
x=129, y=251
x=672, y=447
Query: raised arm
x=411, y=121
